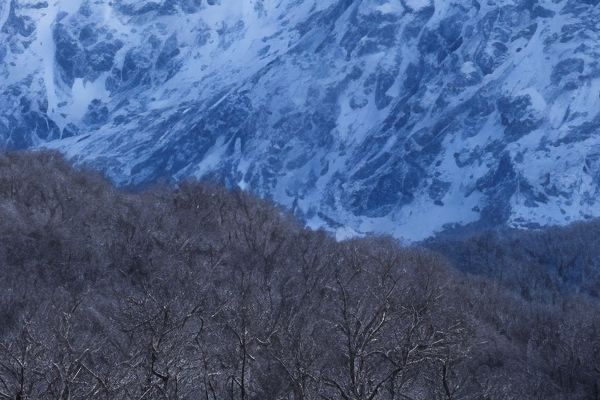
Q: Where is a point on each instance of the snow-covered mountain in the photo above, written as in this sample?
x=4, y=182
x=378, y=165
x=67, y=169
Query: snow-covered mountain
x=395, y=116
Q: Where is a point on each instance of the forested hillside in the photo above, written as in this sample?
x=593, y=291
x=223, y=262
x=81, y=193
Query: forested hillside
x=195, y=292
x=540, y=265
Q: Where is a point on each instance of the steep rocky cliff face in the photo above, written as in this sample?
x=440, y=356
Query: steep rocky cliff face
x=396, y=116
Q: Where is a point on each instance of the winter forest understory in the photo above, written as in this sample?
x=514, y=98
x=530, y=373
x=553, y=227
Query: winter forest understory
x=195, y=292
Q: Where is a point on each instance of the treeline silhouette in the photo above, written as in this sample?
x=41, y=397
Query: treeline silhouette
x=196, y=292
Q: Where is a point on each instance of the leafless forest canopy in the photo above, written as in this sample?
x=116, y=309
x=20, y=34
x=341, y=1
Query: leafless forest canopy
x=196, y=292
